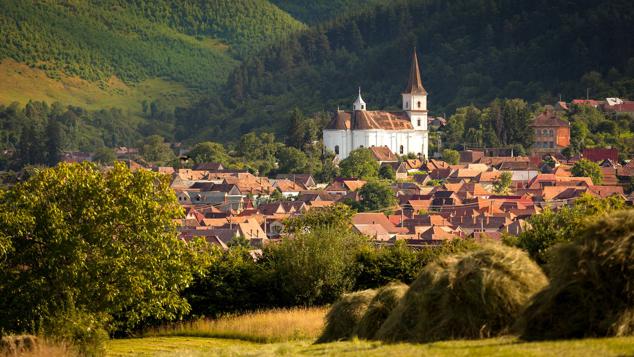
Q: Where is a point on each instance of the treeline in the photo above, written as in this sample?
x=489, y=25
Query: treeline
x=320, y=11
x=192, y=43
x=471, y=52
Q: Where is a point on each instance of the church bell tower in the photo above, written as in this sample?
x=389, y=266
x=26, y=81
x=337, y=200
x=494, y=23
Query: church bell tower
x=415, y=97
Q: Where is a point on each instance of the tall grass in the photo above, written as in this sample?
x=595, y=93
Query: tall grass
x=41, y=347
x=277, y=325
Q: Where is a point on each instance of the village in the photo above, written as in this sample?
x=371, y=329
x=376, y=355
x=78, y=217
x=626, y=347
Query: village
x=436, y=201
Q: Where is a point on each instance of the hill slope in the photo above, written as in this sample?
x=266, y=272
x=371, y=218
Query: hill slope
x=316, y=11
x=193, y=43
x=471, y=51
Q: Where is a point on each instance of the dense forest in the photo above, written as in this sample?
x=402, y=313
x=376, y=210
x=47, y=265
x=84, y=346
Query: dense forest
x=319, y=11
x=196, y=44
x=471, y=51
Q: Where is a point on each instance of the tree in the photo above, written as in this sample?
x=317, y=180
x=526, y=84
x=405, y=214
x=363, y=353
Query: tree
x=503, y=184
x=209, y=152
x=452, y=157
x=359, y=164
x=587, y=168
x=292, y=161
x=53, y=141
x=377, y=195
x=155, y=150
x=550, y=227
x=297, y=129
x=94, y=244
x=386, y=172
x=336, y=217
x=104, y=156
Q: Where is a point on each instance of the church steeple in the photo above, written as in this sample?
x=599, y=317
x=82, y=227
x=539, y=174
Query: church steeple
x=415, y=84
x=359, y=104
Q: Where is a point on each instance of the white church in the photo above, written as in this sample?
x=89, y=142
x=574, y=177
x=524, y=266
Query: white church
x=403, y=132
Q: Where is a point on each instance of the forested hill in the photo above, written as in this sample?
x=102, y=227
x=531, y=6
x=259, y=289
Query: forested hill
x=194, y=43
x=471, y=51
x=318, y=11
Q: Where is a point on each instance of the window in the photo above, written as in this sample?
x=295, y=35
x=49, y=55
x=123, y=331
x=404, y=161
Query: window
x=401, y=150
x=419, y=104
x=418, y=122
x=551, y=145
x=550, y=132
x=362, y=106
x=544, y=132
x=406, y=104
x=337, y=149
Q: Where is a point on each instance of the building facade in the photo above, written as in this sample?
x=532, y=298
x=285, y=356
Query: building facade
x=552, y=134
x=402, y=132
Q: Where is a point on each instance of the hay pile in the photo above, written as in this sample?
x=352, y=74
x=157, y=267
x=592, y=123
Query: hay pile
x=472, y=295
x=385, y=300
x=591, y=292
x=344, y=316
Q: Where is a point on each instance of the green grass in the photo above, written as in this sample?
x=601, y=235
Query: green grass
x=508, y=346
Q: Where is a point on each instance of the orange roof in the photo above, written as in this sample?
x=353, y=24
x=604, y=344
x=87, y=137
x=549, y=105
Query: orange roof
x=353, y=185
x=365, y=119
x=383, y=153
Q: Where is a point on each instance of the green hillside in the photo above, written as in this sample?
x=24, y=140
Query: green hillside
x=316, y=11
x=471, y=51
x=193, y=43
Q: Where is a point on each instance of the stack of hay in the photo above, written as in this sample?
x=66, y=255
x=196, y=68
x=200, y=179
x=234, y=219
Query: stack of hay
x=591, y=292
x=472, y=295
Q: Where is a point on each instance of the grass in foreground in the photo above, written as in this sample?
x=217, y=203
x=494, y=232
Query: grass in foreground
x=505, y=346
x=276, y=325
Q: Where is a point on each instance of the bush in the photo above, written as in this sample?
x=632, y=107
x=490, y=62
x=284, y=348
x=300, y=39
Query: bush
x=592, y=288
x=379, y=309
x=345, y=314
x=472, y=295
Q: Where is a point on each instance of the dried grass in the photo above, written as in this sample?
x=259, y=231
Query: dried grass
x=476, y=294
x=276, y=325
x=345, y=314
x=385, y=300
x=33, y=346
x=591, y=293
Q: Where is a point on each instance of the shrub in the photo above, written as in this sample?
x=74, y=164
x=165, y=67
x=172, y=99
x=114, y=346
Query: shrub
x=472, y=295
x=345, y=314
x=379, y=309
x=591, y=292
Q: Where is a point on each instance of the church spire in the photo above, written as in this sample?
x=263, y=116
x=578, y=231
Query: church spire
x=415, y=84
x=359, y=104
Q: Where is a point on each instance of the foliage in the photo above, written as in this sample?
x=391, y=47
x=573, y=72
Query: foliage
x=312, y=268
x=377, y=195
x=359, y=164
x=104, y=156
x=386, y=172
x=155, y=150
x=591, y=290
x=344, y=316
x=337, y=217
x=452, y=157
x=587, y=168
x=209, y=152
x=99, y=246
x=292, y=161
x=472, y=295
x=552, y=227
x=318, y=11
x=378, y=266
x=503, y=184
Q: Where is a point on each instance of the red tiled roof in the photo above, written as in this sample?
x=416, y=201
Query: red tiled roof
x=364, y=119
x=549, y=118
x=383, y=153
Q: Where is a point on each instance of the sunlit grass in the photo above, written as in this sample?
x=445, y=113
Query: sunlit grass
x=268, y=326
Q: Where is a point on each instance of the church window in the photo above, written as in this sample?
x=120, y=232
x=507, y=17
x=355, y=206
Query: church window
x=419, y=104
x=406, y=104
x=337, y=149
x=401, y=150
x=362, y=106
x=418, y=122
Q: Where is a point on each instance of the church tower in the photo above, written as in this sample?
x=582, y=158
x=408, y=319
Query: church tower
x=415, y=97
x=359, y=104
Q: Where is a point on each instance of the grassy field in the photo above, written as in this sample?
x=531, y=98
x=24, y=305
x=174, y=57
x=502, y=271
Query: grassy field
x=265, y=326
x=21, y=83
x=198, y=346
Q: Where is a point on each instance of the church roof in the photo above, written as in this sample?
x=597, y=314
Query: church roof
x=364, y=120
x=415, y=84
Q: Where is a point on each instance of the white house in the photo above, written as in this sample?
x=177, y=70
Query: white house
x=403, y=132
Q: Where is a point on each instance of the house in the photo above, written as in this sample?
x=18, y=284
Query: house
x=552, y=134
x=343, y=186
x=400, y=169
x=383, y=154
x=471, y=156
x=600, y=154
x=377, y=218
x=306, y=180
x=375, y=231
x=403, y=132
x=288, y=188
